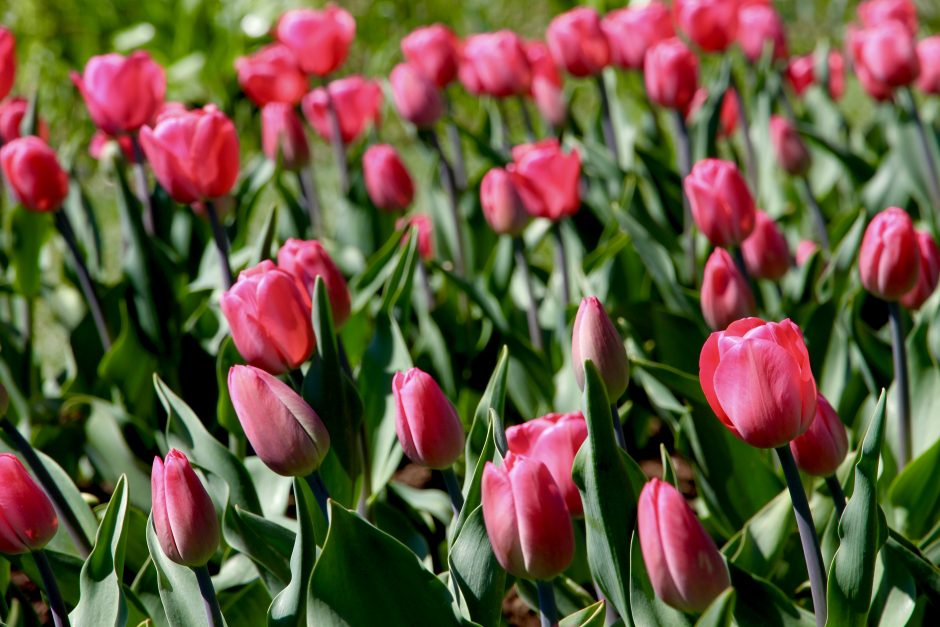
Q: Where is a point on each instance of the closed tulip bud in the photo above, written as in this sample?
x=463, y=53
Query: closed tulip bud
x=547, y=179
x=876, y=12
x=121, y=93
x=387, y=179
x=434, y=50
x=683, y=563
x=632, y=31
x=269, y=317
x=792, y=154
x=756, y=377
x=502, y=205
x=546, y=88
x=319, y=39
x=722, y=205
x=12, y=113
x=428, y=427
x=554, y=440
x=7, y=61
x=595, y=338
x=928, y=54
x=27, y=520
x=422, y=222
x=358, y=103
x=766, y=253
x=194, y=154
x=725, y=295
x=670, y=72
x=889, y=259
x=495, y=64
x=885, y=57
x=805, y=250
x=929, y=272
x=271, y=75
x=33, y=172
x=307, y=260
x=282, y=428
x=760, y=26
x=282, y=136
x=416, y=97
x=526, y=519
x=184, y=517
x=822, y=448
x=709, y=24
x=577, y=42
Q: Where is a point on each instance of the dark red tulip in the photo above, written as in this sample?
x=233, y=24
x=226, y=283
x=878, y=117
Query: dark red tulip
x=319, y=39
x=32, y=170
x=358, y=103
x=435, y=50
x=121, y=93
x=271, y=75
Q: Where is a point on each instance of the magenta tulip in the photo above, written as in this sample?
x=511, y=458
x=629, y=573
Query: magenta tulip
x=766, y=254
x=495, y=64
x=32, y=170
x=670, y=72
x=12, y=113
x=435, y=50
x=876, y=12
x=428, y=427
x=595, y=338
x=578, y=43
x=421, y=222
x=789, y=148
x=546, y=88
x=547, y=179
x=722, y=205
x=759, y=27
x=885, y=57
x=725, y=295
x=307, y=260
x=358, y=103
x=502, y=205
x=709, y=24
x=822, y=448
x=416, y=97
x=929, y=272
x=184, y=517
x=928, y=55
x=631, y=31
x=319, y=39
x=271, y=75
x=121, y=93
x=388, y=182
x=889, y=259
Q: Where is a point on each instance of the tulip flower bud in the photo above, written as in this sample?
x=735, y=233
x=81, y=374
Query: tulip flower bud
x=428, y=427
x=594, y=337
x=759, y=26
x=792, y=154
x=433, y=49
x=422, y=222
x=929, y=272
x=725, y=295
x=358, y=103
x=756, y=377
x=319, y=39
x=632, y=31
x=307, y=260
x=33, y=172
x=27, y=520
x=526, y=518
x=547, y=179
x=928, y=55
x=683, y=563
x=889, y=259
x=546, y=88
x=184, y=517
x=495, y=64
x=282, y=136
x=7, y=61
x=502, y=206
x=766, y=254
x=876, y=12
x=282, y=428
x=269, y=317
x=416, y=97
x=271, y=75
x=387, y=179
x=822, y=448
x=804, y=250
x=554, y=440
x=12, y=113
x=670, y=72
x=885, y=57
x=710, y=24
x=121, y=93
x=577, y=42
x=722, y=205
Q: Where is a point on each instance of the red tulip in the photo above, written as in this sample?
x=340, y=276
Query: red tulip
x=7, y=61
x=722, y=204
x=99, y=143
x=12, y=113
x=710, y=24
x=889, y=259
x=885, y=57
x=547, y=179
x=495, y=64
x=546, y=88
x=671, y=74
x=801, y=73
x=822, y=448
x=757, y=379
x=578, y=43
x=422, y=222
x=319, y=39
x=283, y=137
x=632, y=31
x=792, y=154
x=805, y=250
x=434, y=50
x=358, y=102
x=876, y=12
x=428, y=427
x=194, y=154
x=929, y=272
x=526, y=518
x=307, y=260
x=184, y=517
x=766, y=253
x=387, y=179
x=759, y=26
x=416, y=97
x=269, y=317
x=682, y=561
x=33, y=172
x=271, y=75
x=121, y=93
x=928, y=55
x=282, y=428
x=725, y=295
x=554, y=440
x=27, y=520
x=502, y=205
x=595, y=338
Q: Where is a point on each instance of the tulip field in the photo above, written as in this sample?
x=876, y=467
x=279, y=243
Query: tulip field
x=488, y=313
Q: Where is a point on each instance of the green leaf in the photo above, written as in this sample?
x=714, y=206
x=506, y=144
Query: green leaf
x=646, y=607
x=759, y=602
x=179, y=590
x=591, y=616
x=915, y=494
x=760, y=543
x=494, y=398
x=399, y=284
x=475, y=570
x=29, y=230
x=290, y=606
x=721, y=611
x=267, y=543
x=227, y=357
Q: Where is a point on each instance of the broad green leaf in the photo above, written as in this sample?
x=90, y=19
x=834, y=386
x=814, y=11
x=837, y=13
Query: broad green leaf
x=246, y=606
x=29, y=231
x=895, y=591
x=760, y=543
x=759, y=602
x=915, y=494
x=471, y=489
x=267, y=543
x=494, y=398
x=591, y=616
x=227, y=357
x=720, y=613
x=179, y=591
x=474, y=569
x=646, y=607
x=399, y=283
x=290, y=606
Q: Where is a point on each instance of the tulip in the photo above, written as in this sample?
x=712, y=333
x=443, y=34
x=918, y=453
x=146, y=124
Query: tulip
x=271, y=75
x=358, y=102
x=577, y=42
x=422, y=222
x=416, y=97
x=428, y=427
x=632, y=31
x=547, y=179
x=269, y=317
x=121, y=93
x=710, y=24
x=805, y=250
x=595, y=338
x=100, y=141
x=526, y=519
x=928, y=54
x=758, y=26
x=546, y=88
x=928, y=275
x=722, y=205
x=495, y=64
x=282, y=136
x=791, y=152
x=766, y=254
x=889, y=259
x=388, y=182
x=876, y=12
x=683, y=563
x=33, y=172
x=885, y=57
x=434, y=50
x=307, y=260
x=801, y=73
x=554, y=440
x=184, y=517
x=7, y=61
x=502, y=205
x=822, y=448
x=727, y=116
x=12, y=113
x=319, y=39
x=282, y=428
x=670, y=72
x=28, y=521
x=725, y=295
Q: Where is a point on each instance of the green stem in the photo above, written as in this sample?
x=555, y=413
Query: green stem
x=526, y=119
x=561, y=263
x=211, y=602
x=143, y=188
x=320, y=492
x=618, y=426
x=929, y=161
x=60, y=617
x=610, y=137
x=221, y=244
x=819, y=220
x=684, y=157
x=750, y=159
x=308, y=188
x=453, y=489
x=548, y=613
x=838, y=496
x=450, y=188
x=336, y=141
x=532, y=316
x=901, y=384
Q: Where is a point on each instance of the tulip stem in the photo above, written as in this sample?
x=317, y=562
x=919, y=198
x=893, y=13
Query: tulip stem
x=60, y=617
x=450, y=188
x=336, y=141
x=84, y=279
x=548, y=613
x=561, y=262
x=742, y=267
x=902, y=385
x=684, y=157
x=618, y=426
x=749, y=158
x=532, y=316
x=819, y=220
x=320, y=492
x=526, y=119
x=610, y=137
x=453, y=489
x=929, y=161
x=221, y=244
x=211, y=602
x=308, y=187
x=453, y=136
x=426, y=284
x=808, y=537
x=143, y=188
x=838, y=496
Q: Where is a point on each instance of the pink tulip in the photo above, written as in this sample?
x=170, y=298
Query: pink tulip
x=928, y=55
x=577, y=42
x=388, y=182
x=709, y=24
x=670, y=72
x=27, y=520
x=12, y=113
x=271, y=75
x=766, y=254
x=495, y=64
x=502, y=205
x=546, y=88
x=722, y=205
x=307, y=260
x=594, y=337
x=725, y=295
x=358, y=102
x=792, y=154
x=283, y=138
x=416, y=97
x=319, y=39
x=760, y=26
x=632, y=31
x=7, y=61
x=433, y=49
x=889, y=259
x=876, y=12
x=184, y=517
x=33, y=172
x=928, y=275
x=547, y=179
x=121, y=93
x=822, y=448
x=885, y=57
x=422, y=222
x=428, y=427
